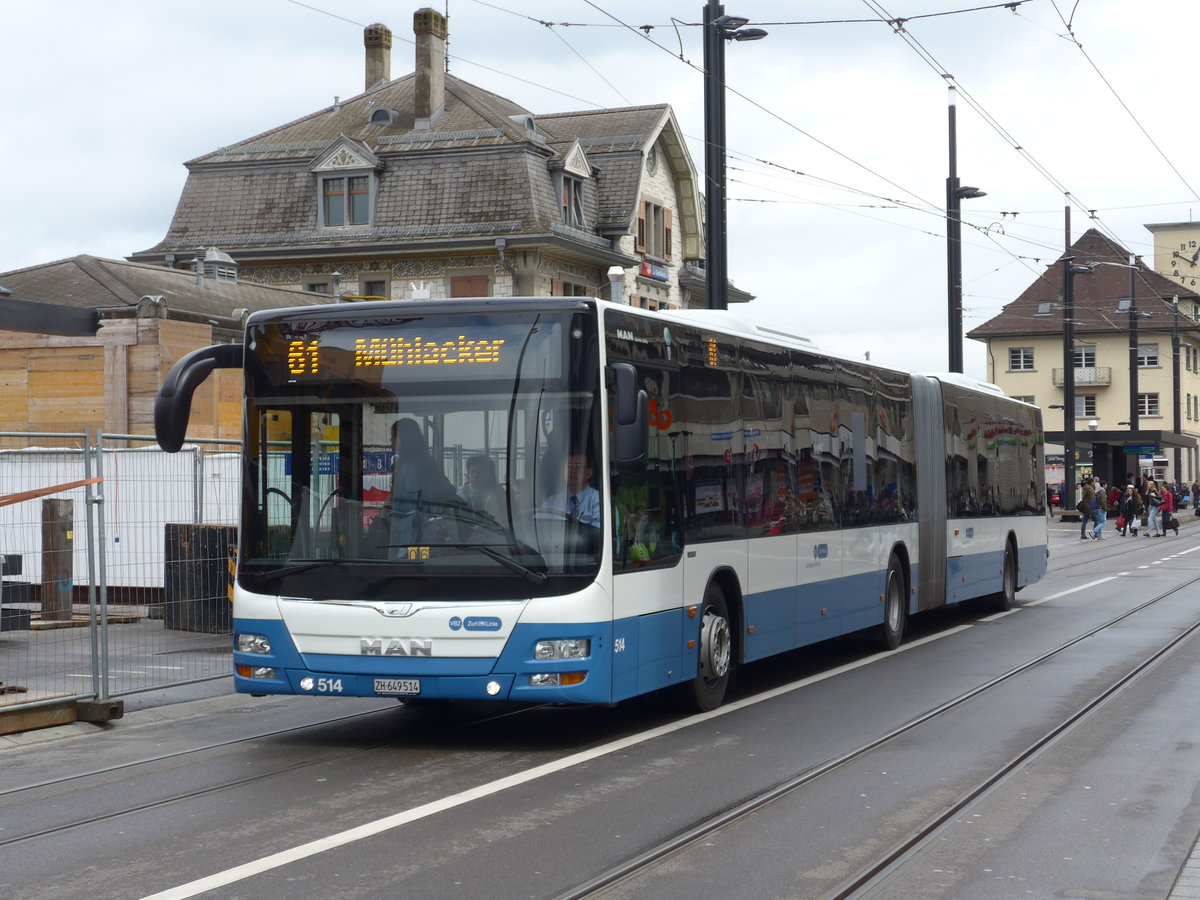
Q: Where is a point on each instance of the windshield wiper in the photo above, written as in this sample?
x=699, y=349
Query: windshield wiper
x=297, y=568
x=537, y=579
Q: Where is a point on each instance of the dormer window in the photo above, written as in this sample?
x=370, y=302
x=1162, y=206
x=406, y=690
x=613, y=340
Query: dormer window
x=572, y=201
x=347, y=200
x=346, y=185
x=570, y=178
x=382, y=116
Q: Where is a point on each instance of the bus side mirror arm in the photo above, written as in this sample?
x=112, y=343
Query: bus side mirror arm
x=630, y=422
x=173, y=404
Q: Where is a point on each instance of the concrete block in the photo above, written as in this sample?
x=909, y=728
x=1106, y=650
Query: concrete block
x=99, y=710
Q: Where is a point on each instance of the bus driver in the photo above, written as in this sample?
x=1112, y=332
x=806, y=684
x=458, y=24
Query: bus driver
x=580, y=501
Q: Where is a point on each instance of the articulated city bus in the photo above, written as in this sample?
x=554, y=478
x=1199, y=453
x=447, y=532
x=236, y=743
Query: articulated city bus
x=572, y=501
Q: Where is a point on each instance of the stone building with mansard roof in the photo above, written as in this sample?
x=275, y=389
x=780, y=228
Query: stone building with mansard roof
x=428, y=186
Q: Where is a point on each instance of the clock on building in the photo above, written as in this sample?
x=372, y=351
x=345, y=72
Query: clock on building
x=1184, y=262
x=1177, y=251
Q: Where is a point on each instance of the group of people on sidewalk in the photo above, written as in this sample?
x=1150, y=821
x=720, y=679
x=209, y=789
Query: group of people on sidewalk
x=1151, y=506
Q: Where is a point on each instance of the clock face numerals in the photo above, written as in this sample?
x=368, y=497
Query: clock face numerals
x=1185, y=262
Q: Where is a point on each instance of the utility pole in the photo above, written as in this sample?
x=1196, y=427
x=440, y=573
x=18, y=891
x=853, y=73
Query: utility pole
x=1133, y=345
x=718, y=28
x=715, y=247
x=1068, y=350
x=955, y=193
x=1177, y=419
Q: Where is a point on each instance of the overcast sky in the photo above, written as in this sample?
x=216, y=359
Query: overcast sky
x=837, y=130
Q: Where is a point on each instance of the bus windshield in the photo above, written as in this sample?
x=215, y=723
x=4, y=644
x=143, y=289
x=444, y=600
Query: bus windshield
x=392, y=457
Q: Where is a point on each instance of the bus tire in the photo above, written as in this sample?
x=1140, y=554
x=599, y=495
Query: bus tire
x=1006, y=598
x=707, y=690
x=895, y=607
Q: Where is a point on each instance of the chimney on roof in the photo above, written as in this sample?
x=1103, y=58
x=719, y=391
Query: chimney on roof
x=378, y=41
x=429, y=27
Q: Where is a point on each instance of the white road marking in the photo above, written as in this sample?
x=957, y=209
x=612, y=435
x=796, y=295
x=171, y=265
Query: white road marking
x=379, y=826
x=1076, y=589
x=387, y=823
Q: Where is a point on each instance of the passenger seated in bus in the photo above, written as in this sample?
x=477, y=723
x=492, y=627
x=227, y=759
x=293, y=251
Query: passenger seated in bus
x=420, y=489
x=579, y=501
x=481, y=492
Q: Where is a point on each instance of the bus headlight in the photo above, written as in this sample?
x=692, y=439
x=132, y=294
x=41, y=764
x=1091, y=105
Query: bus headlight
x=256, y=672
x=556, y=679
x=253, y=643
x=573, y=648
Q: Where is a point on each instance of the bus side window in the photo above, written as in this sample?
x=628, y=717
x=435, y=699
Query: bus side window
x=646, y=505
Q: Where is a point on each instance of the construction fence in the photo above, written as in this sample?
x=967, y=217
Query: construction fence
x=116, y=564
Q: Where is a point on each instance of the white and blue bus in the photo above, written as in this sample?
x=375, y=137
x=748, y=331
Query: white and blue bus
x=573, y=501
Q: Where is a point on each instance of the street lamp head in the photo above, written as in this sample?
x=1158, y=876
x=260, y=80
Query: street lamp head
x=749, y=34
x=969, y=193
x=1080, y=270
x=730, y=22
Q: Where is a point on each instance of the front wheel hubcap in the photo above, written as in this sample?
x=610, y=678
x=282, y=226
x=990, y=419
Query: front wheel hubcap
x=715, y=646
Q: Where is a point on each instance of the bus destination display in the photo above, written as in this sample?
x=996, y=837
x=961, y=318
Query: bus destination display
x=304, y=357
x=378, y=352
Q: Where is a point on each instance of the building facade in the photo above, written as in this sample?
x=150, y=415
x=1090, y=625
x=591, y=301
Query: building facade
x=1135, y=361
x=427, y=186
x=65, y=372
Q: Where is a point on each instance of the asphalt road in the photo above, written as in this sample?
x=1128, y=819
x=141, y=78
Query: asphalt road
x=1062, y=737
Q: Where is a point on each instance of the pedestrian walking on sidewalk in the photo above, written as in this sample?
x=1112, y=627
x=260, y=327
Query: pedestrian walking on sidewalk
x=1154, y=503
x=1102, y=507
x=1169, y=522
x=1087, y=508
x=1130, y=509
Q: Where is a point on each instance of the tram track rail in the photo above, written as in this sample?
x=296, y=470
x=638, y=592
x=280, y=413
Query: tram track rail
x=231, y=784
x=627, y=872
x=644, y=862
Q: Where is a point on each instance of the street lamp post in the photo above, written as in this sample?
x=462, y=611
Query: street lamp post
x=718, y=28
x=1176, y=395
x=1133, y=344
x=955, y=193
x=1069, y=273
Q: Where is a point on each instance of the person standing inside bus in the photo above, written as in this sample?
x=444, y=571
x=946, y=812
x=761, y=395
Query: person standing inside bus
x=419, y=486
x=580, y=501
x=482, y=492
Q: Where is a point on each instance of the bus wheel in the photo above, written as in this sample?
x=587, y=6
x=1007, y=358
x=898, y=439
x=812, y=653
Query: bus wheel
x=895, y=609
x=707, y=689
x=1007, y=597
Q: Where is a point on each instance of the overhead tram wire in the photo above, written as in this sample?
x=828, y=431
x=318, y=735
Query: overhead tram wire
x=643, y=32
x=934, y=207
x=933, y=63
x=1125, y=106
x=460, y=59
x=769, y=112
x=887, y=18
x=550, y=26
